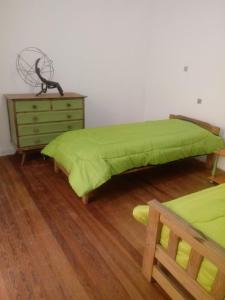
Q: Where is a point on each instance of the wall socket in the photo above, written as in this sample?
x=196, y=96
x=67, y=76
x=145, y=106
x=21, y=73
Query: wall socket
x=199, y=101
x=186, y=68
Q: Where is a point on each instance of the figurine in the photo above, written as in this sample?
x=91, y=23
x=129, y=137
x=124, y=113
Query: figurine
x=46, y=84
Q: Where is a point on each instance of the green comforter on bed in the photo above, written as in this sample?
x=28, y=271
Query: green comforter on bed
x=204, y=210
x=92, y=156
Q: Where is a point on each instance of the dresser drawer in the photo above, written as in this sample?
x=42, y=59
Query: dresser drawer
x=67, y=104
x=39, y=105
x=36, y=140
x=49, y=127
x=52, y=116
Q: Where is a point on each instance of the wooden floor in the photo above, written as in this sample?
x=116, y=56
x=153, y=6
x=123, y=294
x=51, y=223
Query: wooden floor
x=54, y=247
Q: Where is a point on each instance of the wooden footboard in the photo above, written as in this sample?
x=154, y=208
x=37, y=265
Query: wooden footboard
x=160, y=264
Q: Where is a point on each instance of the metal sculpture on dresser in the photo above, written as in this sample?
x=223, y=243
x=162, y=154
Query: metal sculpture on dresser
x=36, y=69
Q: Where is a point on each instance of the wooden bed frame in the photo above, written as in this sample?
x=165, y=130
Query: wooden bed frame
x=159, y=264
x=210, y=157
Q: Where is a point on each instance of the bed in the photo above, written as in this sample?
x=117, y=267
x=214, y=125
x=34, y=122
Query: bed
x=90, y=157
x=185, y=244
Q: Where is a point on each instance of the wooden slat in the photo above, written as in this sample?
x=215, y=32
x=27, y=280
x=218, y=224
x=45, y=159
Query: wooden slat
x=168, y=285
x=173, y=244
x=214, y=129
x=181, y=276
x=218, y=290
x=194, y=263
x=204, y=246
x=152, y=238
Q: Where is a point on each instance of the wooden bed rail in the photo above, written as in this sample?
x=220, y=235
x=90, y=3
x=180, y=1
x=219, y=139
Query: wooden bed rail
x=160, y=264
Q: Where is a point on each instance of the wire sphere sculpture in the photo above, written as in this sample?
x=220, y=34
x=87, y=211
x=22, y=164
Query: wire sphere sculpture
x=25, y=65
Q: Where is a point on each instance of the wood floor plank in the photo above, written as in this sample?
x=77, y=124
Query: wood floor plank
x=54, y=247
x=77, y=235
x=35, y=251
x=3, y=290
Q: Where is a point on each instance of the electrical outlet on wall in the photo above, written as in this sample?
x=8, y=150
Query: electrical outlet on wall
x=186, y=68
x=199, y=101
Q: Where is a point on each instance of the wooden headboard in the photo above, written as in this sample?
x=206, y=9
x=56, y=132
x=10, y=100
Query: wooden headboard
x=214, y=129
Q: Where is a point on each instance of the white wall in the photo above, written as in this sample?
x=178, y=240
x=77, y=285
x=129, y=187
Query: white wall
x=187, y=33
x=127, y=56
x=98, y=49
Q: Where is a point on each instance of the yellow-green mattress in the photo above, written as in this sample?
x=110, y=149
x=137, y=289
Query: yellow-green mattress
x=205, y=211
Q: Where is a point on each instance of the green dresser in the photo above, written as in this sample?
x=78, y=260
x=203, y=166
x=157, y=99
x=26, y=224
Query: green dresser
x=35, y=121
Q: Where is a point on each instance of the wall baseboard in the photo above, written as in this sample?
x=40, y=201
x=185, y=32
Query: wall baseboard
x=5, y=152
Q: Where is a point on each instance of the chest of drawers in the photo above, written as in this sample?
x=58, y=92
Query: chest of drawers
x=35, y=121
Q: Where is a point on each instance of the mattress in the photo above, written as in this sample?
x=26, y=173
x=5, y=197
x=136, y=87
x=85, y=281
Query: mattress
x=205, y=211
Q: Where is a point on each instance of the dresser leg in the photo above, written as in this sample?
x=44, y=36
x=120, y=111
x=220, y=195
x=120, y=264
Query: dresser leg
x=56, y=168
x=23, y=158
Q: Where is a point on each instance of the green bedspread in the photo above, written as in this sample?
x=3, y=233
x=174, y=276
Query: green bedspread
x=92, y=156
x=204, y=210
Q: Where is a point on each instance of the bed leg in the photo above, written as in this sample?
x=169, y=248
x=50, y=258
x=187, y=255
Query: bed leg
x=56, y=168
x=85, y=199
x=209, y=160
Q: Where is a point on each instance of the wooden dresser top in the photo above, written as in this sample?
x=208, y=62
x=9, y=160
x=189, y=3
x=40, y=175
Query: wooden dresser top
x=43, y=96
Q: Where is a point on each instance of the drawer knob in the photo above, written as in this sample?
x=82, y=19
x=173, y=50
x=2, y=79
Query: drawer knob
x=69, y=116
x=35, y=119
x=34, y=106
x=68, y=104
x=69, y=127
